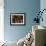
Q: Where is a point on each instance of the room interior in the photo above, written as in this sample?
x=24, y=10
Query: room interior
x=15, y=33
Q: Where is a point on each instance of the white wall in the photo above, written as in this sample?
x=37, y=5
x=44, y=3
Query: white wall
x=43, y=6
x=1, y=20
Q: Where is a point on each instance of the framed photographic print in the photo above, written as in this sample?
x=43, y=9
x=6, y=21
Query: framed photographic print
x=17, y=19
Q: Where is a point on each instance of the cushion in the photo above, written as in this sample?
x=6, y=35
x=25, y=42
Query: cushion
x=20, y=42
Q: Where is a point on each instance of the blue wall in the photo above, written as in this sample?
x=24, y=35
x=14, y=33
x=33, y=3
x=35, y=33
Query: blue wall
x=30, y=7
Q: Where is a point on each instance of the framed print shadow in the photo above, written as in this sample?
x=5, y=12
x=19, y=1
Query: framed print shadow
x=17, y=19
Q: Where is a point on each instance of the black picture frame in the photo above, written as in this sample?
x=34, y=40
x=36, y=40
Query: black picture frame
x=17, y=19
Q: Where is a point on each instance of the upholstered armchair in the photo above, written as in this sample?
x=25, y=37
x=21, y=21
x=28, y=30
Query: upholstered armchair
x=39, y=33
